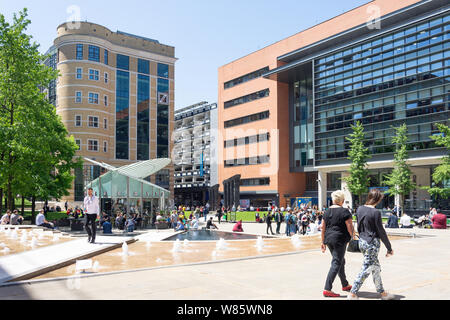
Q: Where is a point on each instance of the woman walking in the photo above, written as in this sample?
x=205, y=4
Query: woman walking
x=337, y=230
x=371, y=231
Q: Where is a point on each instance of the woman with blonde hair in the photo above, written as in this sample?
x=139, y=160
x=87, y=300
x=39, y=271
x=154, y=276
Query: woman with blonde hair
x=371, y=231
x=337, y=230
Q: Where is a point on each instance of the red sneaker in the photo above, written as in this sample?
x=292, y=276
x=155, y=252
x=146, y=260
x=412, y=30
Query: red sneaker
x=347, y=288
x=330, y=294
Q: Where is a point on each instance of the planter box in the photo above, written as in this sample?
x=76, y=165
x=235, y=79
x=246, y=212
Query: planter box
x=162, y=225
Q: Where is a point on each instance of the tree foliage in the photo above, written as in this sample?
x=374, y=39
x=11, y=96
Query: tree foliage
x=358, y=180
x=36, y=153
x=399, y=180
x=441, y=175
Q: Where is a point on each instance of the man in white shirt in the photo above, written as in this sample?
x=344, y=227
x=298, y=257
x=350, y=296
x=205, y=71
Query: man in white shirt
x=405, y=221
x=42, y=222
x=92, y=211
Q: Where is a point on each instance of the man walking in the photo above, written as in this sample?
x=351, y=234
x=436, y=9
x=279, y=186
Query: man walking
x=278, y=220
x=92, y=210
x=269, y=223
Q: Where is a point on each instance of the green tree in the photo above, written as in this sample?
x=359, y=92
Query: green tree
x=399, y=180
x=36, y=153
x=358, y=180
x=441, y=175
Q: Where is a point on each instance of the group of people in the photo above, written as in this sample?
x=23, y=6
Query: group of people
x=435, y=219
x=12, y=218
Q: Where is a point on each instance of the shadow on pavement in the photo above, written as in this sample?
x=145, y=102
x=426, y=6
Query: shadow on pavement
x=376, y=295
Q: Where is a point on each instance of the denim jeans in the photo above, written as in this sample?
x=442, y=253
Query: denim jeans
x=370, y=265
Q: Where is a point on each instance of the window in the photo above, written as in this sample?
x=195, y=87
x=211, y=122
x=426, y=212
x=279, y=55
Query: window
x=94, y=53
x=93, y=122
x=78, y=97
x=247, y=119
x=92, y=145
x=255, y=182
x=78, y=121
x=247, y=161
x=79, y=52
x=163, y=70
x=93, y=74
x=79, y=73
x=78, y=142
x=105, y=146
x=106, y=100
x=123, y=62
x=249, y=76
x=248, y=98
x=106, y=57
x=105, y=123
x=93, y=98
x=144, y=66
x=106, y=77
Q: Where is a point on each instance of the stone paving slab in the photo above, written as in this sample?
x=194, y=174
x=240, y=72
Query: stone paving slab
x=33, y=262
x=418, y=270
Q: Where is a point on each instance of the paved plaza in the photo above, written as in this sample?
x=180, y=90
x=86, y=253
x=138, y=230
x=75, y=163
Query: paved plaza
x=418, y=270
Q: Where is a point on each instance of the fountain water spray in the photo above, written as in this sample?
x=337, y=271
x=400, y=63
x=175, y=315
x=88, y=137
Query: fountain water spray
x=259, y=243
x=176, y=246
x=24, y=237
x=295, y=240
x=14, y=235
x=96, y=266
x=221, y=244
x=125, y=249
x=6, y=250
x=33, y=243
x=56, y=237
x=185, y=242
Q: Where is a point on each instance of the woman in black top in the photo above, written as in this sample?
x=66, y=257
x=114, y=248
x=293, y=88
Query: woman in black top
x=337, y=230
x=371, y=231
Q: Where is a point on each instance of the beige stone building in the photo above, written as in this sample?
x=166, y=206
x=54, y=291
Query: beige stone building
x=115, y=95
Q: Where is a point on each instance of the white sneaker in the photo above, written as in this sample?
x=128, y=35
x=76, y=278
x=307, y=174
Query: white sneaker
x=352, y=297
x=388, y=296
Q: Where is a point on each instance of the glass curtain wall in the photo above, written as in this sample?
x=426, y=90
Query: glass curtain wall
x=399, y=77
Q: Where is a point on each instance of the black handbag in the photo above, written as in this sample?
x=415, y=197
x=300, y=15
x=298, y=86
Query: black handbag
x=353, y=246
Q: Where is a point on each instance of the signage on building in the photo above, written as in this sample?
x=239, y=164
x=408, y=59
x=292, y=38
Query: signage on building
x=163, y=98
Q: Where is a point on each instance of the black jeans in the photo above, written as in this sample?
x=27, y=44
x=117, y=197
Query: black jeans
x=278, y=227
x=90, y=226
x=269, y=225
x=337, y=265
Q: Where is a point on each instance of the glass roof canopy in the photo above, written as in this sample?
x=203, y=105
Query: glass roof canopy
x=127, y=181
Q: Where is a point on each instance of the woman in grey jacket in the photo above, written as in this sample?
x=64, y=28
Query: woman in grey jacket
x=371, y=231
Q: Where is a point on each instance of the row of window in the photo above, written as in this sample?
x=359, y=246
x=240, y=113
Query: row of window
x=122, y=62
x=412, y=76
x=249, y=76
x=93, y=98
x=93, y=121
x=385, y=74
x=418, y=58
x=93, y=74
x=410, y=30
x=248, y=98
x=246, y=140
x=382, y=52
x=247, y=119
x=92, y=145
x=247, y=161
x=255, y=182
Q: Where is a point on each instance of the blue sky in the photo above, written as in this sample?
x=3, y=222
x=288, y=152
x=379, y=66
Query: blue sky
x=206, y=34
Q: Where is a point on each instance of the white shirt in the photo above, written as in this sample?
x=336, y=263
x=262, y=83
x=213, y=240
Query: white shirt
x=40, y=218
x=194, y=224
x=5, y=219
x=405, y=220
x=91, y=205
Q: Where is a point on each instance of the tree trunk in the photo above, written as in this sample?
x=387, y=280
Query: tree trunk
x=1, y=200
x=23, y=206
x=10, y=196
x=33, y=208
